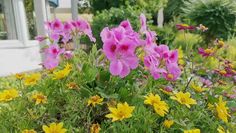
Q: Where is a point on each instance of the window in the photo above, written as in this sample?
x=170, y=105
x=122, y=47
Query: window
x=7, y=21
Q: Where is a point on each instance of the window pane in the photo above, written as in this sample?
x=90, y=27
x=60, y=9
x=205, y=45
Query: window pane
x=7, y=21
x=29, y=8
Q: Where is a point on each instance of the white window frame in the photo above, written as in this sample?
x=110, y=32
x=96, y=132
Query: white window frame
x=21, y=27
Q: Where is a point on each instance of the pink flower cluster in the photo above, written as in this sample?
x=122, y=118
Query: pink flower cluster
x=59, y=32
x=120, y=45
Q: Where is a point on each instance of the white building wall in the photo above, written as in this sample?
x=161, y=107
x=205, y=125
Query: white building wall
x=15, y=60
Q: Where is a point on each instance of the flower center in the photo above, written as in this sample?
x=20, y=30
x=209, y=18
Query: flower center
x=170, y=76
x=113, y=48
x=208, y=51
x=183, y=100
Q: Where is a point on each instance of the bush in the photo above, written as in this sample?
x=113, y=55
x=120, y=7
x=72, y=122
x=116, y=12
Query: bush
x=173, y=9
x=218, y=15
x=187, y=39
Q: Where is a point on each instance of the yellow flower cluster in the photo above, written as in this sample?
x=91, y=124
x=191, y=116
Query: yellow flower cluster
x=222, y=110
x=160, y=107
x=32, y=79
x=184, y=98
x=122, y=111
x=62, y=73
x=8, y=95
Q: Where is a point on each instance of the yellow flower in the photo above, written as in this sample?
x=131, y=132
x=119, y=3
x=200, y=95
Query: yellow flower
x=184, y=98
x=122, y=111
x=54, y=128
x=39, y=98
x=210, y=106
x=95, y=100
x=8, y=95
x=152, y=99
x=192, y=131
x=220, y=129
x=197, y=88
x=166, y=92
x=168, y=123
x=20, y=76
x=32, y=79
x=209, y=51
x=181, y=56
x=95, y=128
x=160, y=107
x=222, y=110
x=29, y=131
x=62, y=73
x=71, y=85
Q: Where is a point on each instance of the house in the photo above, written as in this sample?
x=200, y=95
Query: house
x=18, y=51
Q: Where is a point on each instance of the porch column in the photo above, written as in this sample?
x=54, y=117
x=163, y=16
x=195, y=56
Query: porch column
x=21, y=21
x=42, y=14
x=74, y=9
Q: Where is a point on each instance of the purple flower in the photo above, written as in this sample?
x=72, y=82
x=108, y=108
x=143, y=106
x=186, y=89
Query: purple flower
x=205, y=52
x=119, y=48
x=50, y=62
x=143, y=22
x=54, y=51
x=40, y=38
x=68, y=54
x=173, y=72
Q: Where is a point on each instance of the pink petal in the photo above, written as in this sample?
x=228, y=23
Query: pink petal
x=125, y=71
x=116, y=67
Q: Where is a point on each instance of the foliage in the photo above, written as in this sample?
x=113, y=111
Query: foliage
x=83, y=91
x=173, y=9
x=151, y=6
x=218, y=15
x=192, y=41
x=29, y=8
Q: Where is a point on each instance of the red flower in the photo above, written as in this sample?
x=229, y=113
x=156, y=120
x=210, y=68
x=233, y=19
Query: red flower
x=184, y=27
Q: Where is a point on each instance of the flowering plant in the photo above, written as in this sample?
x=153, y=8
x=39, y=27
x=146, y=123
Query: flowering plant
x=132, y=84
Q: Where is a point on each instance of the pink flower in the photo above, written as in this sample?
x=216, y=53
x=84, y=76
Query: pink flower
x=40, y=38
x=205, y=82
x=168, y=89
x=173, y=72
x=126, y=25
x=67, y=27
x=68, y=54
x=50, y=62
x=84, y=27
x=56, y=25
x=205, y=52
x=119, y=48
x=54, y=51
x=143, y=22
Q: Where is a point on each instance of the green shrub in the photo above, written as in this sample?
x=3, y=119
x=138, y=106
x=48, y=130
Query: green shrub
x=187, y=39
x=166, y=34
x=173, y=9
x=218, y=15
